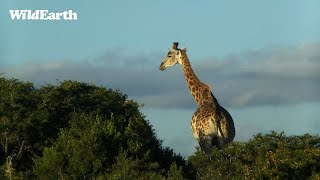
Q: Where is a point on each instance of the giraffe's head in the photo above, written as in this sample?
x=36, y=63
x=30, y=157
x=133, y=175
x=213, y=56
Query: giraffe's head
x=173, y=57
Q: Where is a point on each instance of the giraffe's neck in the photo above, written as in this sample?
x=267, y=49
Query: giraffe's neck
x=199, y=91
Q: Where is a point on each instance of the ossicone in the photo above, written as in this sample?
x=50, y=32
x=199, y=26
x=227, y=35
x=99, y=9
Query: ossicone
x=175, y=45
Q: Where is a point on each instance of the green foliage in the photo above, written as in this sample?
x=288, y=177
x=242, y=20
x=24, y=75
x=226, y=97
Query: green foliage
x=81, y=151
x=270, y=156
x=130, y=168
x=175, y=173
x=80, y=131
x=88, y=148
x=17, y=127
x=73, y=130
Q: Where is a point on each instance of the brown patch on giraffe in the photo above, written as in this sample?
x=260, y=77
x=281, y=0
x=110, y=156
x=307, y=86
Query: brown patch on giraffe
x=198, y=94
x=203, y=94
x=193, y=89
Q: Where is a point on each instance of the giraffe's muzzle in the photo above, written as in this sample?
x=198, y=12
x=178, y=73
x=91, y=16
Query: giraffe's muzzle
x=162, y=66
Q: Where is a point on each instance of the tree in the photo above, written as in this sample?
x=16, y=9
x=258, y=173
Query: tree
x=130, y=168
x=270, y=156
x=38, y=121
x=88, y=149
x=76, y=130
x=17, y=125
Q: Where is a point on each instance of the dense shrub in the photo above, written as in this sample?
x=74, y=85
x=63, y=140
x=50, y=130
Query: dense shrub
x=270, y=156
x=73, y=130
x=76, y=130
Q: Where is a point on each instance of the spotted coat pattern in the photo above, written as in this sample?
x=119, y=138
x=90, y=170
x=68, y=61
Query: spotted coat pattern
x=211, y=124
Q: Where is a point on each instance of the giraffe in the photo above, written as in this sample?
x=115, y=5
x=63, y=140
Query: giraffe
x=211, y=124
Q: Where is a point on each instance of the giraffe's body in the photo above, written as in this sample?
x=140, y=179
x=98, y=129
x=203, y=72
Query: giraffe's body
x=212, y=125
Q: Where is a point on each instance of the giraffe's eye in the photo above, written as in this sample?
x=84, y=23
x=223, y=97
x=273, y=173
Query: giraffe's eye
x=169, y=56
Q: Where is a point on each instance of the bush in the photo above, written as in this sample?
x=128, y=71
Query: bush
x=80, y=131
x=73, y=130
x=270, y=156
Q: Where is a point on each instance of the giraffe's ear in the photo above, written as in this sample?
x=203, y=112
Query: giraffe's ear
x=184, y=50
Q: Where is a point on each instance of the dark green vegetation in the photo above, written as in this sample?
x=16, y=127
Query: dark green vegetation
x=271, y=156
x=80, y=131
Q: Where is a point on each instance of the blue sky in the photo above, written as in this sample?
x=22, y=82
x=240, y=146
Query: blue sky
x=209, y=28
x=260, y=58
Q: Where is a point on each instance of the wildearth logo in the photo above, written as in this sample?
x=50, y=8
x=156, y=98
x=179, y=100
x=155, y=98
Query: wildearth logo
x=42, y=15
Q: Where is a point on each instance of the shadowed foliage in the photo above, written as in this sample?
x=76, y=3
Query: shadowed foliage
x=270, y=156
x=73, y=130
x=76, y=130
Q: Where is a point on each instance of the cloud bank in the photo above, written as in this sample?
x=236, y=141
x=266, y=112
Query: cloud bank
x=269, y=76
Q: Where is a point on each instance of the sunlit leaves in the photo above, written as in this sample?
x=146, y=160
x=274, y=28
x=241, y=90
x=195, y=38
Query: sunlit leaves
x=271, y=156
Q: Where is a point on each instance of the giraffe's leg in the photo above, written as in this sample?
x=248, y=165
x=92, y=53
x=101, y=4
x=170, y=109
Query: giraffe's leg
x=215, y=132
x=206, y=143
x=221, y=135
x=226, y=126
